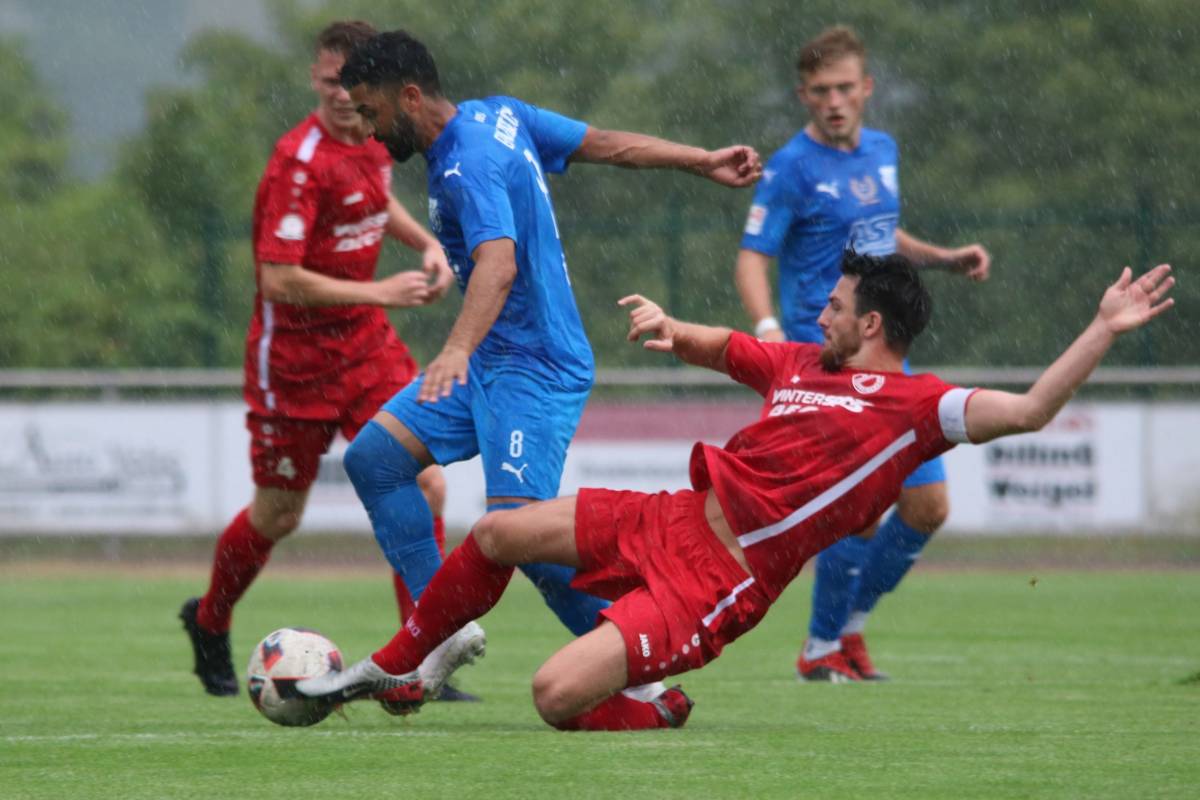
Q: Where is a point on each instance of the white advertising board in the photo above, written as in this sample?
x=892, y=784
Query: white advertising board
x=172, y=468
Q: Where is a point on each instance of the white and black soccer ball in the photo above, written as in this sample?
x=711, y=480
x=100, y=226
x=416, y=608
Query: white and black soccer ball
x=280, y=660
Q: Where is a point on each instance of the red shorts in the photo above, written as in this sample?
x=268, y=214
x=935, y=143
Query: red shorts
x=285, y=452
x=680, y=596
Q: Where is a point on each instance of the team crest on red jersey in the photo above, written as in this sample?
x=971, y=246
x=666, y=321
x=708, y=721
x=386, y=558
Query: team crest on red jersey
x=866, y=383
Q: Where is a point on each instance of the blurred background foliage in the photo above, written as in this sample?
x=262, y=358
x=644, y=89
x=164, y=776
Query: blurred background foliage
x=1059, y=134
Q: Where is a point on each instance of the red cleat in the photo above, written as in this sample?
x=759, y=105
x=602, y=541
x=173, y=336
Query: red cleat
x=854, y=648
x=674, y=706
x=401, y=701
x=831, y=668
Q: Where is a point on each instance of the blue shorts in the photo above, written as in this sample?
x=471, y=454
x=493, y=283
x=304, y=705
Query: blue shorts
x=518, y=424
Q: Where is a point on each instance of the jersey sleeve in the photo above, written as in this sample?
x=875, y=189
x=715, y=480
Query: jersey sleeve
x=556, y=137
x=773, y=209
x=485, y=210
x=287, y=205
x=754, y=363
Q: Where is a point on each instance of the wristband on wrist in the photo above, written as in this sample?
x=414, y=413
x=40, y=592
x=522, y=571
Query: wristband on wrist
x=764, y=325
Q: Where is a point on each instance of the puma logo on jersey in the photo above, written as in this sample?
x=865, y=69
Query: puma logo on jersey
x=455, y=170
x=829, y=189
x=507, y=467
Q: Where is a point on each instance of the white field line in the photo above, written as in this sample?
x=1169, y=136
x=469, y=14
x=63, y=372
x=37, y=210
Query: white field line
x=216, y=737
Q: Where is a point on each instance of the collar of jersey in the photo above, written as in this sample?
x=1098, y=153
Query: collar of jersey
x=444, y=139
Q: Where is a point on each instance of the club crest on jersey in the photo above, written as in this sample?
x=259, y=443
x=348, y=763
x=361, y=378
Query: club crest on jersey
x=865, y=383
x=755, y=220
x=866, y=191
x=887, y=176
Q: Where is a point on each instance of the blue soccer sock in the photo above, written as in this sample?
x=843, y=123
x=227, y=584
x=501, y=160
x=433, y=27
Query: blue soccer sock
x=889, y=556
x=833, y=590
x=384, y=475
x=576, y=610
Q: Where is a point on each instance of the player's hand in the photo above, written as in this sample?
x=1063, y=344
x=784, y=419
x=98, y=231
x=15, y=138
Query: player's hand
x=1130, y=304
x=437, y=271
x=735, y=166
x=774, y=335
x=973, y=261
x=647, y=317
x=403, y=290
x=449, y=368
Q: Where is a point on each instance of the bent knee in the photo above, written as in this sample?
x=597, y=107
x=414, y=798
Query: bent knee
x=925, y=512
x=555, y=699
x=275, y=524
x=433, y=485
x=494, y=536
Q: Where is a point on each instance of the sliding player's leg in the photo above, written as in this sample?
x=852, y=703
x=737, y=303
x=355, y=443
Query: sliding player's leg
x=580, y=689
x=524, y=430
x=468, y=585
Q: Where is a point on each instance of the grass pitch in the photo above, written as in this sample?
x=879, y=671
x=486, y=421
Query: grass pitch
x=1067, y=684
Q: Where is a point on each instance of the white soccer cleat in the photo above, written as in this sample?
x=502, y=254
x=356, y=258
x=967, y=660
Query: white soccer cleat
x=364, y=679
x=466, y=645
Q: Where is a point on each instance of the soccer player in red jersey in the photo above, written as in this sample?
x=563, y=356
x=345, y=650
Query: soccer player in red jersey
x=321, y=355
x=842, y=426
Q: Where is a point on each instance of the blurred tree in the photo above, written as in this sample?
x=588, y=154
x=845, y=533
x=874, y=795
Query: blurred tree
x=1057, y=133
x=33, y=149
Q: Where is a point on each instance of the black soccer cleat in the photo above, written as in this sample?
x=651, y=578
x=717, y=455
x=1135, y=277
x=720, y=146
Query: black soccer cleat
x=214, y=663
x=450, y=693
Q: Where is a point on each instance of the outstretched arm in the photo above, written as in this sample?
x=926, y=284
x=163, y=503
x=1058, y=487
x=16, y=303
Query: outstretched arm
x=972, y=260
x=696, y=344
x=1128, y=304
x=734, y=166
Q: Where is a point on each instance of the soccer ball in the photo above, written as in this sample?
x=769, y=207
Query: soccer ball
x=280, y=660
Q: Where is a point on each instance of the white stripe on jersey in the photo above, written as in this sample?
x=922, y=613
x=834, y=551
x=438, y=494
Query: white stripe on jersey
x=830, y=495
x=309, y=145
x=726, y=602
x=264, y=353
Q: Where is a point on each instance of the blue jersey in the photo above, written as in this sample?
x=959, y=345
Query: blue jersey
x=812, y=203
x=487, y=181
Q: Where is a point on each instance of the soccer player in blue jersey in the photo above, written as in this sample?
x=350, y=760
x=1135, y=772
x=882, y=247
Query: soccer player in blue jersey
x=514, y=374
x=834, y=186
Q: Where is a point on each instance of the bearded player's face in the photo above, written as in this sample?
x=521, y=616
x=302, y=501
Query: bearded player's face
x=839, y=322
x=386, y=121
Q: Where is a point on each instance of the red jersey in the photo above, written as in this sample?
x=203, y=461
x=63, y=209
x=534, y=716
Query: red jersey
x=321, y=204
x=828, y=455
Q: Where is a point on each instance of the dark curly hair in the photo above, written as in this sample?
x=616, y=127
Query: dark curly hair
x=891, y=286
x=392, y=57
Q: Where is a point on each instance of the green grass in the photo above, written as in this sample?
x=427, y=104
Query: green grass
x=1078, y=684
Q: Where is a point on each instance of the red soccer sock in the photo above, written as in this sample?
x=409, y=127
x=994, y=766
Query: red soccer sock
x=617, y=713
x=240, y=554
x=404, y=601
x=465, y=588
x=439, y=536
